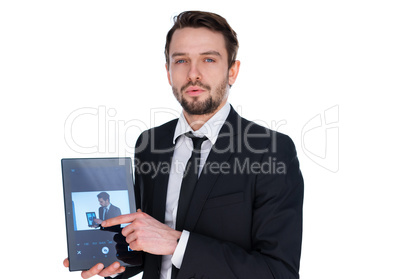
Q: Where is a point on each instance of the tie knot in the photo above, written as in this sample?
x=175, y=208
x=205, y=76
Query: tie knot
x=197, y=142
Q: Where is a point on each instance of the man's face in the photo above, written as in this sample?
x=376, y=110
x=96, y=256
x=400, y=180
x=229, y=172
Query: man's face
x=198, y=70
x=103, y=202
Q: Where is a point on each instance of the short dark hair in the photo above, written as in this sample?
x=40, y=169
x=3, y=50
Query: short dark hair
x=213, y=22
x=103, y=195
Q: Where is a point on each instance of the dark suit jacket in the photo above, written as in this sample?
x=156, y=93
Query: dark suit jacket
x=245, y=218
x=114, y=211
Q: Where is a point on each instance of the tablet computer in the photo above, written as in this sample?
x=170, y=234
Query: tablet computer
x=96, y=189
x=91, y=216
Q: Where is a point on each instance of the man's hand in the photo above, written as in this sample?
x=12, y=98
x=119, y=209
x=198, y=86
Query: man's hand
x=99, y=270
x=146, y=233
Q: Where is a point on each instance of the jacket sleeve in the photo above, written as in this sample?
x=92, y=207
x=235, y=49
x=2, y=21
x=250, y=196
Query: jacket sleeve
x=276, y=231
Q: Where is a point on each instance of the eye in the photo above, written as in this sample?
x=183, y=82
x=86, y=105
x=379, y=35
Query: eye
x=209, y=60
x=180, y=61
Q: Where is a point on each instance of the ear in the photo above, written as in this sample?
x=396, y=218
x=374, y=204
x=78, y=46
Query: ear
x=233, y=72
x=168, y=74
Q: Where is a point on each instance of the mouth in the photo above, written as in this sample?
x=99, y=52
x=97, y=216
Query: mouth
x=194, y=91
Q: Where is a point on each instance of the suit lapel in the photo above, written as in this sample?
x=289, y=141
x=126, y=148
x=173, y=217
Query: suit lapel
x=221, y=152
x=162, y=179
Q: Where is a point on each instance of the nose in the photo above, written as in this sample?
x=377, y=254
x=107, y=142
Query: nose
x=194, y=73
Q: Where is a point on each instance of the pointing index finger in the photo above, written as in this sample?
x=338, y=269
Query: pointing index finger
x=122, y=219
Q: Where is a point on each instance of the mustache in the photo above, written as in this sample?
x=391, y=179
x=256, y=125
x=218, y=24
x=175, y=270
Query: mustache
x=197, y=83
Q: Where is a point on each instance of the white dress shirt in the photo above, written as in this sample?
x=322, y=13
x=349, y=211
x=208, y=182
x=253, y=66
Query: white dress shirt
x=182, y=152
x=104, y=211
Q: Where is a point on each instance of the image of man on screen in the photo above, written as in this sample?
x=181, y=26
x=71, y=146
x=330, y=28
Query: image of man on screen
x=107, y=210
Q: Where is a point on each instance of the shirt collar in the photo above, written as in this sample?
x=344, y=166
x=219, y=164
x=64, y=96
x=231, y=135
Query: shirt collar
x=210, y=129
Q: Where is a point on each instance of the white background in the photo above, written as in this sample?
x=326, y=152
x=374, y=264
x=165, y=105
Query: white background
x=88, y=76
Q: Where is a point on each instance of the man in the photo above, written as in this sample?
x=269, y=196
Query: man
x=106, y=209
x=243, y=217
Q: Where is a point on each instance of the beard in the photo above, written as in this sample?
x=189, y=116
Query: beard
x=200, y=107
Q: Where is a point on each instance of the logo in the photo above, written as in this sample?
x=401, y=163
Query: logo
x=320, y=139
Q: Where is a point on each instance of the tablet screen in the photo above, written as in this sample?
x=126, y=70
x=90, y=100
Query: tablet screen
x=96, y=190
x=91, y=216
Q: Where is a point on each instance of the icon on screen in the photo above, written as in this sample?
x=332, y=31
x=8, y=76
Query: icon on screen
x=105, y=250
